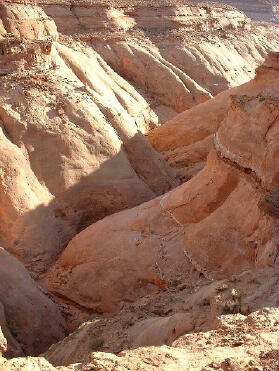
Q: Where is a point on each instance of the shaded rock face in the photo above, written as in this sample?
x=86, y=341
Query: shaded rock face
x=260, y=10
x=73, y=151
x=90, y=126
x=269, y=203
x=211, y=222
x=12, y=348
x=32, y=321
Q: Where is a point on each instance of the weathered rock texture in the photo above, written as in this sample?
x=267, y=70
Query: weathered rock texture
x=212, y=222
x=3, y=343
x=238, y=343
x=62, y=115
x=75, y=128
x=191, y=267
x=28, y=21
x=186, y=140
x=191, y=50
x=31, y=322
x=162, y=318
x=260, y=10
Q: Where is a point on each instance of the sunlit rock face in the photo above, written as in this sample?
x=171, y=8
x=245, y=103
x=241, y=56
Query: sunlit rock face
x=212, y=221
x=138, y=186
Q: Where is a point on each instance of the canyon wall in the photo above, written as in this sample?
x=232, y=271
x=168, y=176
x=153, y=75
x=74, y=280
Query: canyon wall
x=87, y=125
x=91, y=200
x=212, y=222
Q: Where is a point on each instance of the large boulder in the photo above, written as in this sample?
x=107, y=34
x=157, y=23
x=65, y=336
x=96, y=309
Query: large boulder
x=32, y=319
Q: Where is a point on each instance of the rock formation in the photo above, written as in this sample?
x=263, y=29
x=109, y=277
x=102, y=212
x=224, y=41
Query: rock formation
x=186, y=140
x=3, y=343
x=163, y=317
x=144, y=272
x=60, y=115
x=28, y=21
x=260, y=10
x=236, y=329
x=30, y=321
x=197, y=50
x=212, y=222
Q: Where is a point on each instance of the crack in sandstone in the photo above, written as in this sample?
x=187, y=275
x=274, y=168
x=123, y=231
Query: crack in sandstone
x=248, y=172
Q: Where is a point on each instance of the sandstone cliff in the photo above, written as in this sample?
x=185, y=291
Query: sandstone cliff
x=186, y=277
x=186, y=140
x=211, y=223
x=191, y=51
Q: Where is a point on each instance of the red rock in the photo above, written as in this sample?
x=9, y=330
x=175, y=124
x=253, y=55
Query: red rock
x=32, y=318
x=186, y=140
x=211, y=222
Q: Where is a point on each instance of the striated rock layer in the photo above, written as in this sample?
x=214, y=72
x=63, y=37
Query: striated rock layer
x=28, y=21
x=191, y=51
x=72, y=143
x=212, y=222
x=186, y=140
x=260, y=10
x=190, y=268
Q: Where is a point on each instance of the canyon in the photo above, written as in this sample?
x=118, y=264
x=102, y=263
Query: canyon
x=138, y=186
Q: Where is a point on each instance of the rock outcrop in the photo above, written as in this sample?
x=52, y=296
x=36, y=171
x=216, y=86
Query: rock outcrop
x=88, y=125
x=260, y=10
x=212, y=222
x=165, y=318
x=3, y=343
x=31, y=322
x=192, y=51
x=237, y=343
x=56, y=113
x=176, y=277
x=26, y=20
x=186, y=140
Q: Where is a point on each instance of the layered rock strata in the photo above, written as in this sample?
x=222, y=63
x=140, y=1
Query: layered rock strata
x=212, y=222
x=186, y=140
